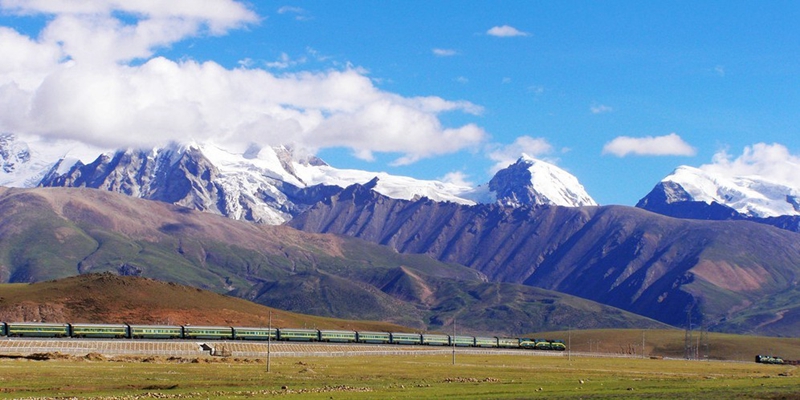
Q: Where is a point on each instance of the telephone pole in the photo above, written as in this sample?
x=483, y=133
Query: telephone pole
x=454, y=340
x=269, y=342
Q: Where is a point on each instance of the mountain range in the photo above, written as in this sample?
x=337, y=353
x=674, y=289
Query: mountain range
x=54, y=233
x=668, y=269
x=532, y=224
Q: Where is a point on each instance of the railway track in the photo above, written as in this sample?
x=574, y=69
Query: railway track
x=244, y=349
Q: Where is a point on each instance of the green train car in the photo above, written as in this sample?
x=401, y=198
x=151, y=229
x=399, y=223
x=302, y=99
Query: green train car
x=3, y=329
x=510, y=343
x=462, y=341
x=481, y=341
x=337, y=336
x=208, y=332
x=435, y=340
x=37, y=329
x=248, y=333
x=404, y=338
x=99, y=331
x=156, y=331
x=373, y=337
x=308, y=335
x=527, y=343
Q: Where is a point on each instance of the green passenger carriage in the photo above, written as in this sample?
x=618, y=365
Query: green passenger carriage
x=373, y=337
x=249, y=333
x=37, y=329
x=404, y=338
x=99, y=331
x=156, y=331
x=308, y=335
x=208, y=332
x=337, y=336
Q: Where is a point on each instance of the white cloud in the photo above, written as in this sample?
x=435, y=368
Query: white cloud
x=768, y=161
x=462, y=80
x=77, y=81
x=503, y=156
x=720, y=70
x=668, y=145
x=444, y=52
x=456, y=178
x=600, y=109
x=506, y=31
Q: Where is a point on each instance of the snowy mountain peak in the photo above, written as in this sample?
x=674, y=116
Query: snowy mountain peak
x=263, y=184
x=530, y=181
x=750, y=196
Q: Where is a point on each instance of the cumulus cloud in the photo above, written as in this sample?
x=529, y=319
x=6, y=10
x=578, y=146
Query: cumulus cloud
x=78, y=80
x=503, y=156
x=769, y=161
x=668, y=145
x=505, y=31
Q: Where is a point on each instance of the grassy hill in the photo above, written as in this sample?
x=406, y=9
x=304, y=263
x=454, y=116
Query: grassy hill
x=108, y=298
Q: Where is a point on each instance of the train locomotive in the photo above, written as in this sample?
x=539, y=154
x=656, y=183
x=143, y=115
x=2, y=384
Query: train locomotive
x=193, y=332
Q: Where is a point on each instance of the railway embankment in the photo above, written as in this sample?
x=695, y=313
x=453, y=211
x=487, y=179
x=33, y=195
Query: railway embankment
x=183, y=348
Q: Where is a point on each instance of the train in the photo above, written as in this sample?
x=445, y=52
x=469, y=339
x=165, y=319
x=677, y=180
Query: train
x=762, y=359
x=192, y=332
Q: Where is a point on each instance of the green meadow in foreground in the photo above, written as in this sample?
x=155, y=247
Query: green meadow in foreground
x=398, y=377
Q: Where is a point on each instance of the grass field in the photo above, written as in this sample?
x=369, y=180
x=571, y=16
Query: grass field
x=397, y=377
x=670, y=343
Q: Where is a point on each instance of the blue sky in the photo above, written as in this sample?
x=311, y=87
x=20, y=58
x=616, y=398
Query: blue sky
x=619, y=93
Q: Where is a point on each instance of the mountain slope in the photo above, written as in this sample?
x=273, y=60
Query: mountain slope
x=51, y=233
x=621, y=256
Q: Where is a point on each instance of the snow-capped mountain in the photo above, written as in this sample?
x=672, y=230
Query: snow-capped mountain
x=26, y=160
x=533, y=182
x=749, y=196
x=267, y=185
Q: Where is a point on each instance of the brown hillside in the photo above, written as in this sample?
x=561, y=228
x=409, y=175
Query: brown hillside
x=108, y=298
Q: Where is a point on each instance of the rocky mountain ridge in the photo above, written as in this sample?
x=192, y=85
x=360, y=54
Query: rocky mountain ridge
x=626, y=257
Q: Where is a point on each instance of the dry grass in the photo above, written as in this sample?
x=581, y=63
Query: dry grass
x=400, y=377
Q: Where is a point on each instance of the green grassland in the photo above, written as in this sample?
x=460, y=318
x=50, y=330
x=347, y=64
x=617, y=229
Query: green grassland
x=398, y=377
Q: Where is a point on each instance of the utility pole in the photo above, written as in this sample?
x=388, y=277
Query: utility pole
x=569, y=344
x=642, y=344
x=454, y=340
x=687, y=337
x=269, y=342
